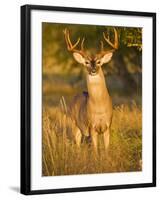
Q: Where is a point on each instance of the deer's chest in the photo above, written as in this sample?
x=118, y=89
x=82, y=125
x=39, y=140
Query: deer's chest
x=100, y=119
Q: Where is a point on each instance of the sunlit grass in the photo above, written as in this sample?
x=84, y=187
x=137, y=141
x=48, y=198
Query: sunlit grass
x=61, y=156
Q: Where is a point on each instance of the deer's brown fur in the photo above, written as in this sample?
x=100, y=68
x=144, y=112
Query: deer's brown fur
x=92, y=110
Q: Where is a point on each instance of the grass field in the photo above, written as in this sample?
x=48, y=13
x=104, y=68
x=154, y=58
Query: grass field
x=62, y=157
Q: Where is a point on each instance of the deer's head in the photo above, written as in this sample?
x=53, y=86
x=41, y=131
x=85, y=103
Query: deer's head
x=92, y=63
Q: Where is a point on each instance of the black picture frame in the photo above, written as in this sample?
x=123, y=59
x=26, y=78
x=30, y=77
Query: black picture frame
x=26, y=98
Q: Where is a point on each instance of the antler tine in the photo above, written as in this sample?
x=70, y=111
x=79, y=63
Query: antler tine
x=107, y=39
x=116, y=38
x=66, y=38
x=70, y=46
x=82, y=47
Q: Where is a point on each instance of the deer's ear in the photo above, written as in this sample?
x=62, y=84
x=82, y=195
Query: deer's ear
x=106, y=58
x=79, y=58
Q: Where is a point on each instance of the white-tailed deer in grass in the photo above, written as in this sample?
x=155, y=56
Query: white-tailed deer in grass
x=92, y=110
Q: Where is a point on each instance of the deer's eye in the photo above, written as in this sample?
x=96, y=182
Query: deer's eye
x=98, y=62
x=87, y=62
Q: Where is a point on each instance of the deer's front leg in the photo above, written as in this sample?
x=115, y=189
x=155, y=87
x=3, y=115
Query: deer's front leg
x=106, y=136
x=94, y=138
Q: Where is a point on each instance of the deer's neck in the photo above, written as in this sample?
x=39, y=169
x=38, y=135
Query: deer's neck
x=97, y=89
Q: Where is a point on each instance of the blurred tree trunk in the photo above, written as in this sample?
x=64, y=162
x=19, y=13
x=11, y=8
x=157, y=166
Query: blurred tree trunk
x=123, y=72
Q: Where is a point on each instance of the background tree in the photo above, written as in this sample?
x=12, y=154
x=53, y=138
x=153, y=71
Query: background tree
x=126, y=65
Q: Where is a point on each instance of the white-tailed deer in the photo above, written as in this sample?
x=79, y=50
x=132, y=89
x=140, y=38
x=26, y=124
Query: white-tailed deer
x=92, y=110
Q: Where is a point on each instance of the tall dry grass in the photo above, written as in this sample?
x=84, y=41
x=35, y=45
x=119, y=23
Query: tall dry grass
x=61, y=156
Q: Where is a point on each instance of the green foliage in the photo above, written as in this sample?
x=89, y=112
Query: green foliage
x=131, y=37
x=54, y=43
x=126, y=62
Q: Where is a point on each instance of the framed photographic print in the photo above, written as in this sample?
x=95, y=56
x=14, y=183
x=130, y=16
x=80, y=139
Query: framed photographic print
x=88, y=99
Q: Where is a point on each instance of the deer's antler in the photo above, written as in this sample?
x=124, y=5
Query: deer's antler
x=72, y=47
x=107, y=39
